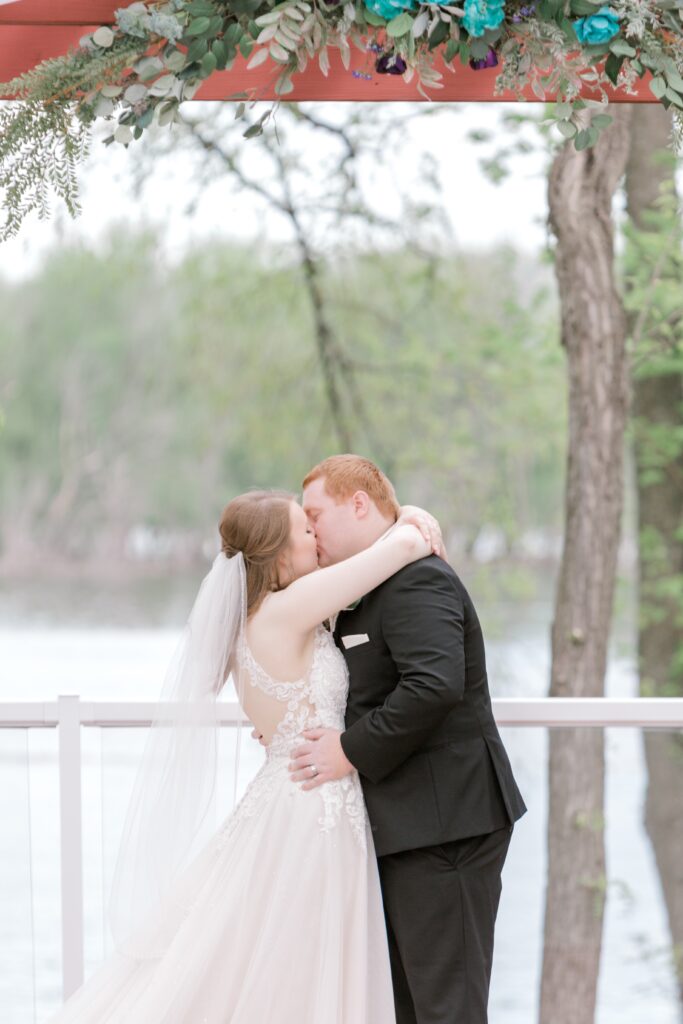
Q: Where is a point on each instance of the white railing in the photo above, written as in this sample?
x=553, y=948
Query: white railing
x=69, y=713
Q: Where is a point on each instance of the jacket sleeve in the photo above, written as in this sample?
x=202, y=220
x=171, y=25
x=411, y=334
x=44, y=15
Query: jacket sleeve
x=422, y=621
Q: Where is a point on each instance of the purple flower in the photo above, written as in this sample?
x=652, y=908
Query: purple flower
x=524, y=12
x=489, y=61
x=390, y=64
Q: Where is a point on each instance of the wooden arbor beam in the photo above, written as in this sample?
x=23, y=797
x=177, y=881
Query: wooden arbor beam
x=33, y=30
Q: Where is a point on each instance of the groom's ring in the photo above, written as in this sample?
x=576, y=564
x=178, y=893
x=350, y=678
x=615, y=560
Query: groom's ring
x=314, y=770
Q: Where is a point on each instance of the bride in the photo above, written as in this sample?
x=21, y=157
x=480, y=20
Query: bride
x=276, y=918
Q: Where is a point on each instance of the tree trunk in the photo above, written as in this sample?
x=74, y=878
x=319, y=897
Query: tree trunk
x=580, y=192
x=657, y=407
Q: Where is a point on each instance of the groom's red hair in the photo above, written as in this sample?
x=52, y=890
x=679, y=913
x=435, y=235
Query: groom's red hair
x=346, y=474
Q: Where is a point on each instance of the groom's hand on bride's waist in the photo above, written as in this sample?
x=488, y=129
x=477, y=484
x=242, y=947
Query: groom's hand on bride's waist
x=322, y=752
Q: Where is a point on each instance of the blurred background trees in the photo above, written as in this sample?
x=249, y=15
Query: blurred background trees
x=135, y=393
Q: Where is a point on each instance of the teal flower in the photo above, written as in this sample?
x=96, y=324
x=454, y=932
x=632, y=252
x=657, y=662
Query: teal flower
x=597, y=28
x=389, y=8
x=481, y=15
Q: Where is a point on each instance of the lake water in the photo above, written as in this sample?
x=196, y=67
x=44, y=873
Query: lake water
x=86, y=639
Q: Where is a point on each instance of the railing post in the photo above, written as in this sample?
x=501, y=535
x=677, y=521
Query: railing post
x=69, y=738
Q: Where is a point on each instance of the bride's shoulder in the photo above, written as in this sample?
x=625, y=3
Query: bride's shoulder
x=270, y=624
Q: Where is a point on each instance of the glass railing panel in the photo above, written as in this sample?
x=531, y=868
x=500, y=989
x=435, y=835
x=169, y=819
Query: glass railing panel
x=642, y=887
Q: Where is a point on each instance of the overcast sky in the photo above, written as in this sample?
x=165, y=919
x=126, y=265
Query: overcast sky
x=480, y=213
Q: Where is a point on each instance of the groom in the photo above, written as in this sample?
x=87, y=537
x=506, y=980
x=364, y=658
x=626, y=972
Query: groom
x=437, y=781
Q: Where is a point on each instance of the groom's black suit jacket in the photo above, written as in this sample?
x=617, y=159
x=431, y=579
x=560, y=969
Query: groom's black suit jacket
x=419, y=725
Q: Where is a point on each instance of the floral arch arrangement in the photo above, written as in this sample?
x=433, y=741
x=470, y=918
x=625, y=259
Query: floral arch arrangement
x=157, y=54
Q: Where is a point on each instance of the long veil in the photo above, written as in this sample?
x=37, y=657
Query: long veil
x=170, y=814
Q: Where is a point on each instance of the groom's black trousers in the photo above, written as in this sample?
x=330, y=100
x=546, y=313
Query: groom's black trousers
x=440, y=904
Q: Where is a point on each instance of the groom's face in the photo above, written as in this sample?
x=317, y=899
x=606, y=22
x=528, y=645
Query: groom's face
x=337, y=528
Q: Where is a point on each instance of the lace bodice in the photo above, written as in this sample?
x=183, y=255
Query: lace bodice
x=315, y=701
x=318, y=699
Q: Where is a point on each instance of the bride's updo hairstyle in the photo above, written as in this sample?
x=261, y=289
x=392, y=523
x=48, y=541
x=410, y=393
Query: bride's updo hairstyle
x=257, y=524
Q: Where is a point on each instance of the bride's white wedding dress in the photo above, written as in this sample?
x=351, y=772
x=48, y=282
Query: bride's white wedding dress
x=280, y=917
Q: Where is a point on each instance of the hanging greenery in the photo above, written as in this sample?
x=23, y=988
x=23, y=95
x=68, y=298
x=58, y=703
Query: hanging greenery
x=156, y=55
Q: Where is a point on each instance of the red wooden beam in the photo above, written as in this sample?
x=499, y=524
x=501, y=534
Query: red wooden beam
x=59, y=12
x=32, y=30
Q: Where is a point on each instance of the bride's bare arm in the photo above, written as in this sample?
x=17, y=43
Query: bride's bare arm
x=313, y=598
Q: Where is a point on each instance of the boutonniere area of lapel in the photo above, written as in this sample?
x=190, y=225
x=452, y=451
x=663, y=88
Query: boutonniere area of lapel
x=354, y=639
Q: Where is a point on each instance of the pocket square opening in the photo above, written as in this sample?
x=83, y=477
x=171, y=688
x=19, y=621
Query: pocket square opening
x=354, y=639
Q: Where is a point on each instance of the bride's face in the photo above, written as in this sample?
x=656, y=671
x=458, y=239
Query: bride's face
x=301, y=556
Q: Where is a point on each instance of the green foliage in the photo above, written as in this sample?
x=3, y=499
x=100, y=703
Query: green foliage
x=133, y=393
x=157, y=54
x=45, y=134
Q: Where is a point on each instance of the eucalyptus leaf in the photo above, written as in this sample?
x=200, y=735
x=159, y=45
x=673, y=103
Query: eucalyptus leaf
x=135, y=93
x=148, y=67
x=582, y=139
x=233, y=34
x=197, y=49
x=208, y=63
x=162, y=86
x=400, y=25
x=103, y=37
x=658, y=86
x=104, y=107
x=567, y=128
x=478, y=48
x=175, y=61
x=278, y=52
x=258, y=57
x=613, y=67
x=622, y=48
x=167, y=114
x=145, y=119
x=220, y=53
x=438, y=34
x=674, y=80
x=283, y=86
x=583, y=8
x=198, y=26
x=123, y=134
x=267, y=19
x=201, y=7
x=420, y=24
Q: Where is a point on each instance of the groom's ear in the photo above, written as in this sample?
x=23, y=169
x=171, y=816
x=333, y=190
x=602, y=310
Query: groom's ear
x=361, y=504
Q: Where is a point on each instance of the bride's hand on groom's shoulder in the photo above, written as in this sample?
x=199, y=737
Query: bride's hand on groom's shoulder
x=428, y=526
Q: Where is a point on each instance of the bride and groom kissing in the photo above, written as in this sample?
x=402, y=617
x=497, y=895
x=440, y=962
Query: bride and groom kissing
x=357, y=881
x=419, y=731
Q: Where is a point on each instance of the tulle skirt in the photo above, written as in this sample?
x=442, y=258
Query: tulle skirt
x=280, y=922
